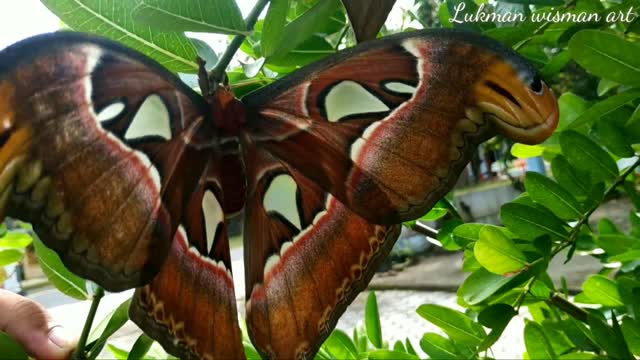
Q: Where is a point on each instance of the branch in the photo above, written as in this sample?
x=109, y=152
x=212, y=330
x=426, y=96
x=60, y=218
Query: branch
x=219, y=70
x=79, y=353
x=425, y=230
x=566, y=306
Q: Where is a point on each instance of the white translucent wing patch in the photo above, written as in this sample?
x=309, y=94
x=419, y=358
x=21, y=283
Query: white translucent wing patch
x=271, y=262
x=349, y=98
x=152, y=119
x=110, y=112
x=399, y=87
x=281, y=197
x=213, y=216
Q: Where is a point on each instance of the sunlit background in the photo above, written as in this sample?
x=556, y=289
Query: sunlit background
x=25, y=18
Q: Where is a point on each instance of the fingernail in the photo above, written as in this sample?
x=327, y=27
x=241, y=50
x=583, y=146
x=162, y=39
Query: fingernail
x=59, y=336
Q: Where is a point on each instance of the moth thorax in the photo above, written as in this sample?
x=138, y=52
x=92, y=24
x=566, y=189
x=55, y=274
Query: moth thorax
x=228, y=112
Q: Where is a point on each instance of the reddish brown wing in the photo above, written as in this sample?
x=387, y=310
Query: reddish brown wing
x=306, y=257
x=374, y=135
x=190, y=306
x=94, y=135
x=116, y=164
x=387, y=127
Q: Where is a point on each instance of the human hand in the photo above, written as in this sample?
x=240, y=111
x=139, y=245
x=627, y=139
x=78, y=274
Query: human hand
x=31, y=325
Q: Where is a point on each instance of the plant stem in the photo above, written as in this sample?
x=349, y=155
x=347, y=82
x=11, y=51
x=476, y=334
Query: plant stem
x=79, y=353
x=568, y=307
x=218, y=71
x=523, y=295
x=585, y=218
x=425, y=230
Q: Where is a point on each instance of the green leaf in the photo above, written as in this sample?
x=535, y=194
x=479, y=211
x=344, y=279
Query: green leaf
x=480, y=285
x=11, y=350
x=548, y=193
x=311, y=50
x=560, y=342
x=629, y=290
x=409, y=347
x=602, y=290
x=511, y=35
x=445, y=234
x=576, y=182
x=64, y=280
x=579, y=334
x=220, y=16
x=536, y=342
x=444, y=16
x=250, y=351
x=372, y=321
x=399, y=346
x=360, y=339
x=15, y=240
x=109, y=325
x=632, y=125
x=634, y=219
x=497, y=253
x=536, y=2
x=496, y=317
x=617, y=330
x=454, y=323
x=157, y=352
x=606, y=85
x=613, y=138
x=571, y=107
x=391, y=355
x=606, y=337
x=140, y=347
x=615, y=244
x=631, y=332
x=603, y=108
x=530, y=223
x=470, y=262
x=340, y=345
x=607, y=227
x=206, y=53
x=466, y=234
x=607, y=55
x=631, y=255
x=10, y=256
x=555, y=64
x=579, y=356
x=583, y=153
x=437, y=211
x=301, y=29
x=273, y=28
x=470, y=7
x=438, y=346
x=112, y=18
x=118, y=353
x=524, y=151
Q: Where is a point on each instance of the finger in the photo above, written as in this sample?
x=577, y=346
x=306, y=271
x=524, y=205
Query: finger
x=31, y=325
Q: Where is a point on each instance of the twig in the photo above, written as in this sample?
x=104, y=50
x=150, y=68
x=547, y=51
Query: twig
x=79, y=353
x=425, y=230
x=524, y=294
x=585, y=218
x=566, y=306
x=218, y=71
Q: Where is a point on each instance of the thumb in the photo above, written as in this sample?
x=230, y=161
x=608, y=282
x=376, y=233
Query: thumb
x=30, y=324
